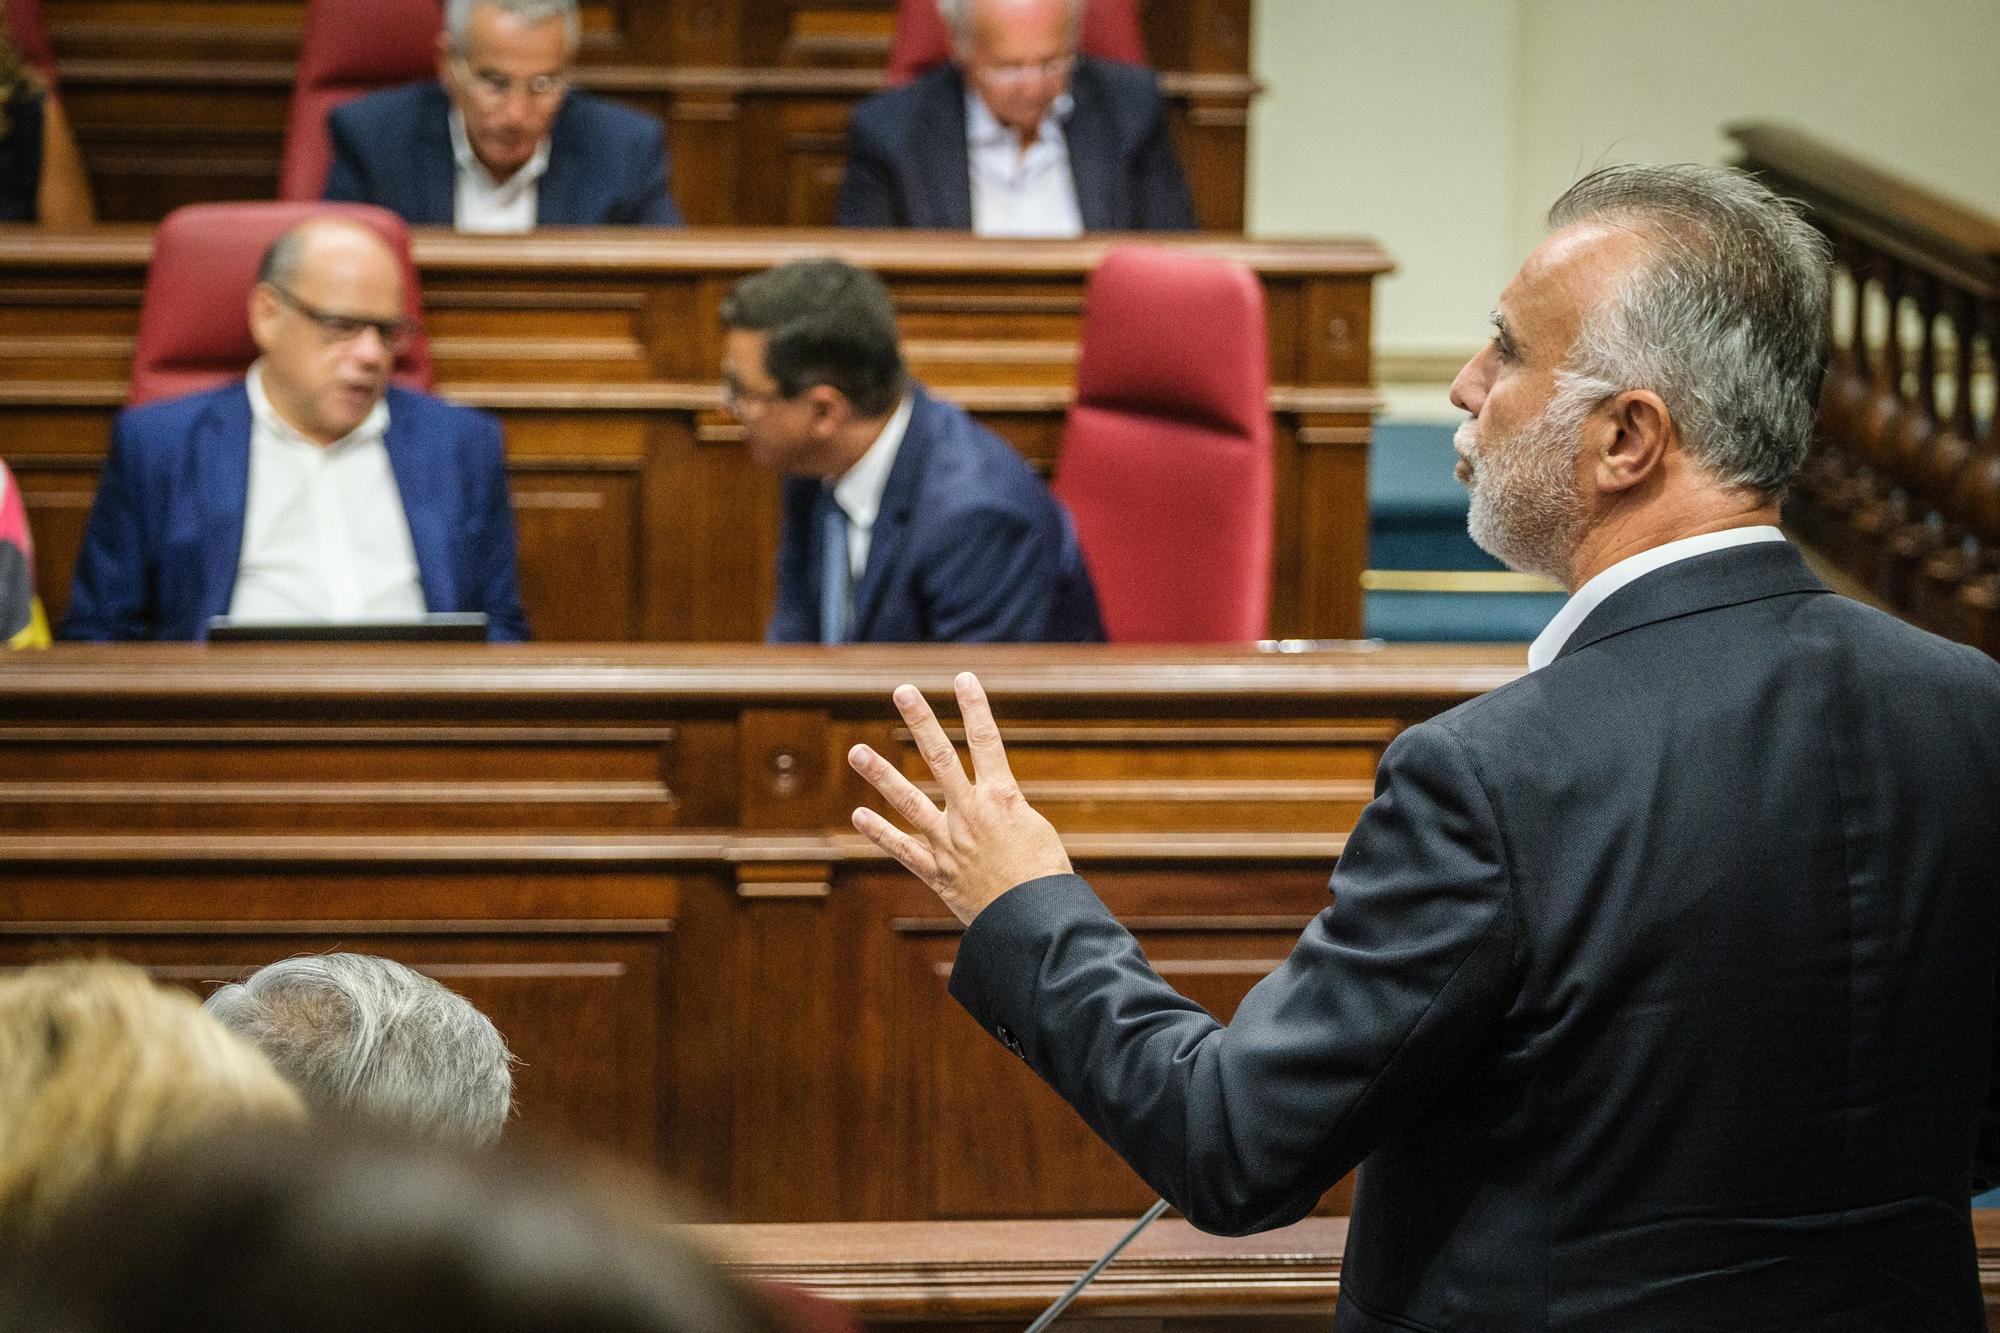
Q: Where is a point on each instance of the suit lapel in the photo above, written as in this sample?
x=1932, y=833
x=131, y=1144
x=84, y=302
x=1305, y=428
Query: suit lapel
x=943, y=159
x=556, y=195
x=892, y=520
x=1705, y=582
x=222, y=470
x=425, y=506
x=437, y=171
x=1088, y=138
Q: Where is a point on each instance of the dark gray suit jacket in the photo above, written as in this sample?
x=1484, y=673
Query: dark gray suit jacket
x=1659, y=992
x=908, y=166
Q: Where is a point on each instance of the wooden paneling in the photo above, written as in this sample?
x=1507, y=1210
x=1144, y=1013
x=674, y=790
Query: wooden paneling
x=639, y=861
x=177, y=101
x=640, y=515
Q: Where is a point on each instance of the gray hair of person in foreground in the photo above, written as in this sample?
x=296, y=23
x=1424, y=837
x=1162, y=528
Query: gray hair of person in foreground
x=458, y=17
x=1726, y=320
x=957, y=16
x=368, y=1037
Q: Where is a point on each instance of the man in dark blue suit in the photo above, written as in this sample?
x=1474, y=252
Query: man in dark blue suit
x=1020, y=137
x=905, y=520
x=312, y=490
x=500, y=142
x=1658, y=990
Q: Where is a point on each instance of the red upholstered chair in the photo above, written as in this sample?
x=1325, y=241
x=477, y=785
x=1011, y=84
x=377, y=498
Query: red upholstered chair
x=1110, y=32
x=350, y=47
x=194, y=323
x=30, y=37
x=1166, y=457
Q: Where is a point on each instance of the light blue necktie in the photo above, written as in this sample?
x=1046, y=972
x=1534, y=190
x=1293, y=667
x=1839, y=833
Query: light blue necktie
x=835, y=569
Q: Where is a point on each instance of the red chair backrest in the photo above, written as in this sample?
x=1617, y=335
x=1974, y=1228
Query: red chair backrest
x=194, y=321
x=350, y=47
x=1110, y=32
x=1166, y=456
x=30, y=36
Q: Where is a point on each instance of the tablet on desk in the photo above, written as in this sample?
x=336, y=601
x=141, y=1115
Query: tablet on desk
x=437, y=627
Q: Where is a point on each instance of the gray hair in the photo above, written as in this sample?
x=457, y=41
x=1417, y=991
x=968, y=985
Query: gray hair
x=1726, y=319
x=957, y=15
x=363, y=1035
x=458, y=17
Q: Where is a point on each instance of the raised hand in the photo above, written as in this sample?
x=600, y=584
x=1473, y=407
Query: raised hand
x=987, y=839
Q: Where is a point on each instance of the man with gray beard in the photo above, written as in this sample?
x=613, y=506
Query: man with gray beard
x=1659, y=988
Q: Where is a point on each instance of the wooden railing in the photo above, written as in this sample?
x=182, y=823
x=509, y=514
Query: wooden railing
x=1903, y=487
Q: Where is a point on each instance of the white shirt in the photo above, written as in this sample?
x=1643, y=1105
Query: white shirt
x=484, y=204
x=1607, y=581
x=858, y=492
x=1016, y=193
x=324, y=533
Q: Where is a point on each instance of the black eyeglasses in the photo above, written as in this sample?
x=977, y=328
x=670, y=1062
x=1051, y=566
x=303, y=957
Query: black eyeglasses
x=395, y=334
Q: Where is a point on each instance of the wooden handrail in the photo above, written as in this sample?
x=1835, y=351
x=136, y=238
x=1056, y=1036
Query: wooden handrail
x=1924, y=225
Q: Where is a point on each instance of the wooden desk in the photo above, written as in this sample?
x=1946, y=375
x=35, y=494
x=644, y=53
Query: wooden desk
x=637, y=861
x=600, y=349
x=960, y=1277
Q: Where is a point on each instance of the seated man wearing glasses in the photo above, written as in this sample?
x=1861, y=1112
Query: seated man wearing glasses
x=310, y=490
x=1020, y=137
x=500, y=143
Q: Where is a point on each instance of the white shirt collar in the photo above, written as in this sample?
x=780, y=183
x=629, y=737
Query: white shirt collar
x=374, y=426
x=858, y=491
x=984, y=130
x=461, y=151
x=1591, y=595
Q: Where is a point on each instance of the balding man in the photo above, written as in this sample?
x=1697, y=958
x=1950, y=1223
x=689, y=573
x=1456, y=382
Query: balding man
x=1020, y=136
x=310, y=491
x=1658, y=987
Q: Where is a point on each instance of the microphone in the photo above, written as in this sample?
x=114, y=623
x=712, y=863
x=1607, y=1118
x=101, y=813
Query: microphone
x=1050, y=1315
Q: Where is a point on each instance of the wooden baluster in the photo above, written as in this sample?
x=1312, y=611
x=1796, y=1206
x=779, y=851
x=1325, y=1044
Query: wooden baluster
x=1904, y=516
x=1946, y=564
x=1808, y=509
x=1874, y=436
x=1979, y=596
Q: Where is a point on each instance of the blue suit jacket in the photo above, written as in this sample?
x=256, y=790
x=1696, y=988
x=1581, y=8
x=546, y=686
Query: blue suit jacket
x=159, y=554
x=907, y=164
x=607, y=163
x=969, y=547
x=1658, y=990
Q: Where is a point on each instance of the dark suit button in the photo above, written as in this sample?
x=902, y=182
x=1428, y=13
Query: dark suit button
x=1009, y=1040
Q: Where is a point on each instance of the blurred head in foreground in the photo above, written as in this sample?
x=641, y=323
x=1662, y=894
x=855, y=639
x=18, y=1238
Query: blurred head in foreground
x=100, y=1067
x=360, y=1035
x=358, y=1230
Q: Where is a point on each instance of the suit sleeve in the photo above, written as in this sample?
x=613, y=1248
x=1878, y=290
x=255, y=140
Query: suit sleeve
x=868, y=186
x=795, y=617
x=113, y=587
x=1986, y=1159
x=995, y=581
x=346, y=176
x=1384, y=999
x=490, y=550
x=1159, y=187
x=651, y=201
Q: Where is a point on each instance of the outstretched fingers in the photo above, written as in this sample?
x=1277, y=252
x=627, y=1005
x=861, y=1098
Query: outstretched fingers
x=901, y=794
x=982, y=733
x=915, y=855
x=932, y=744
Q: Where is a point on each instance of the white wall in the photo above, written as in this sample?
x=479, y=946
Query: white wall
x=1443, y=128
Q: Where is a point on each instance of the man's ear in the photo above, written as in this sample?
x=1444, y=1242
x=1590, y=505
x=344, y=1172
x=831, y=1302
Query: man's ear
x=1632, y=433
x=444, y=59
x=829, y=406
x=263, y=315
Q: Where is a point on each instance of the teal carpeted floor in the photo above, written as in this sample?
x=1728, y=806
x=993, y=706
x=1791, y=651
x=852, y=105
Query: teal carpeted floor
x=1416, y=521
